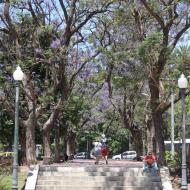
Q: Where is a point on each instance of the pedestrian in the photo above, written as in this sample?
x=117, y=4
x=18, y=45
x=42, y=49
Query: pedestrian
x=96, y=152
x=150, y=162
x=104, y=148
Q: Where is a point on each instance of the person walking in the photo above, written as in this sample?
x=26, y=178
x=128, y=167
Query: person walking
x=104, y=148
x=96, y=152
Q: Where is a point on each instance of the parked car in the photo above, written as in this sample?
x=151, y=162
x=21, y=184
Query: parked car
x=82, y=155
x=127, y=155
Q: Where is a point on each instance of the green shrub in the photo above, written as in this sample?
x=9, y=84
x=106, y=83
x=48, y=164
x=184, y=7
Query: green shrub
x=6, y=182
x=173, y=161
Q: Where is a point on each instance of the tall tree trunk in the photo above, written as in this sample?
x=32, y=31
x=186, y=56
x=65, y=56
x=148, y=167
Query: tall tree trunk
x=130, y=141
x=71, y=143
x=135, y=135
x=22, y=141
x=65, y=137
x=46, y=142
x=159, y=149
x=137, y=144
x=157, y=118
x=57, y=142
x=47, y=130
x=150, y=132
x=30, y=142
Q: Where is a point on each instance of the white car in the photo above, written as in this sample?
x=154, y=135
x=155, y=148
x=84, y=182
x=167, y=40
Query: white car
x=82, y=155
x=127, y=155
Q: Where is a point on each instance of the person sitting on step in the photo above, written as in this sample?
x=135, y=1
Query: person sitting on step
x=150, y=162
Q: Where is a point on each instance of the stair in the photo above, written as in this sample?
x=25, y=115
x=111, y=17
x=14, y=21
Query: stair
x=96, y=178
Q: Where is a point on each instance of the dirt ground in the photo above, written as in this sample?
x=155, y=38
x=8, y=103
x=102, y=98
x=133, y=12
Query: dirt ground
x=176, y=182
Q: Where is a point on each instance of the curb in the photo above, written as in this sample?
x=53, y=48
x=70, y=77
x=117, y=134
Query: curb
x=165, y=178
x=32, y=177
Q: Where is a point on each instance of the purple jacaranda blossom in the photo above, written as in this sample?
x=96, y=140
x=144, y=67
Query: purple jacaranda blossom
x=38, y=50
x=62, y=39
x=118, y=98
x=105, y=96
x=55, y=44
x=85, y=73
x=105, y=86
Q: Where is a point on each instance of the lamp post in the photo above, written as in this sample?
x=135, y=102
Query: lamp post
x=172, y=123
x=171, y=66
x=87, y=144
x=18, y=76
x=182, y=83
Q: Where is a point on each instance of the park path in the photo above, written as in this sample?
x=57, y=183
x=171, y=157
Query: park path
x=111, y=163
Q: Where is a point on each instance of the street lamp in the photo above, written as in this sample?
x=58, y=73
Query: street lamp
x=172, y=123
x=182, y=83
x=18, y=76
x=87, y=144
x=171, y=66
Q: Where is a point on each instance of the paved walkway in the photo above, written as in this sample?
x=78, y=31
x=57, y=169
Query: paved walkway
x=86, y=162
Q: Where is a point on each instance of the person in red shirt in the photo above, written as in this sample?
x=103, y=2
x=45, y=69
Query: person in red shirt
x=150, y=162
x=104, y=149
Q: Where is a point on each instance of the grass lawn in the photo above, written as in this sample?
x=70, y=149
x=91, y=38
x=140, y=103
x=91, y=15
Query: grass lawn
x=6, y=182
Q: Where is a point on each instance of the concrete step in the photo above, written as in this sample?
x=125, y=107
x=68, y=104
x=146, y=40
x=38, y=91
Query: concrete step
x=100, y=178
x=98, y=183
x=90, y=169
x=96, y=178
x=80, y=187
x=94, y=171
x=85, y=174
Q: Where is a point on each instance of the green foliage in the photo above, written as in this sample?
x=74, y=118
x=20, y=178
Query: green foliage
x=182, y=58
x=45, y=36
x=6, y=182
x=155, y=5
x=6, y=127
x=45, y=99
x=1, y=147
x=149, y=49
x=172, y=161
x=121, y=36
x=98, y=79
x=114, y=147
x=75, y=109
x=118, y=139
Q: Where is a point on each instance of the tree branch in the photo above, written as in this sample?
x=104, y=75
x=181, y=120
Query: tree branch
x=179, y=34
x=82, y=66
x=33, y=13
x=155, y=15
x=64, y=10
x=89, y=16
